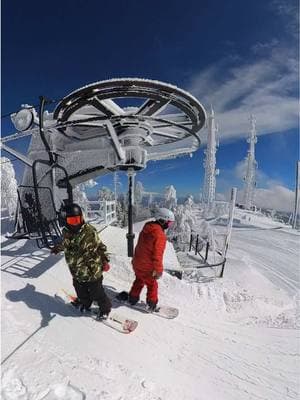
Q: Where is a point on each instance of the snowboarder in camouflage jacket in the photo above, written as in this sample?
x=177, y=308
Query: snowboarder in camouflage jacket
x=87, y=258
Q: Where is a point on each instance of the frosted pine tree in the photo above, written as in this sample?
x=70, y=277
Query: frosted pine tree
x=9, y=186
x=170, y=197
x=205, y=233
x=80, y=196
x=138, y=196
x=182, y=228
x=189, y=202
x=106, y=194
x=122, y=210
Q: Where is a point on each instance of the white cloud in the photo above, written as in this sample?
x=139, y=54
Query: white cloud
x=266, y=88
x=269, y=193
x=241, y=169
x=262, y=47
x=275, y=197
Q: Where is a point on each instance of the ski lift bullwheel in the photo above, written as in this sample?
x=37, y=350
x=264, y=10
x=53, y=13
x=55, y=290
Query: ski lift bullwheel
x=142, y=120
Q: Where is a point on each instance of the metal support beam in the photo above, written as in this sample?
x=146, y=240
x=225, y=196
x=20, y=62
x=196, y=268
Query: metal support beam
x=115, y=140
x=15, y=153
x=130, y=235
x=19, y=135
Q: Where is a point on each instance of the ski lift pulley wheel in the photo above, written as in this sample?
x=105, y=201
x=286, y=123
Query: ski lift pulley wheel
x=165, y=114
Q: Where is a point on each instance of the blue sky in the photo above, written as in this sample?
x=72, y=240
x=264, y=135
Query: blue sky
x=241, y=57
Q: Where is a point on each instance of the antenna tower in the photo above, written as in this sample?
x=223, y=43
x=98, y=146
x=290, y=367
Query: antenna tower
x=209, y=187
x=250, y=178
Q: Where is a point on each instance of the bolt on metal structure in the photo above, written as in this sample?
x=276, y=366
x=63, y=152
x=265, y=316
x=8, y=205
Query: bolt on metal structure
x=209, y=187
x=250, y=177
x=108, y=126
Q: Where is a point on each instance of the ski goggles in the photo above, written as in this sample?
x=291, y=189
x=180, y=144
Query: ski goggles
x=74, y=220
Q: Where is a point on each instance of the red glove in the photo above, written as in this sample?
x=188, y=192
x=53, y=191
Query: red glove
x=106, y=267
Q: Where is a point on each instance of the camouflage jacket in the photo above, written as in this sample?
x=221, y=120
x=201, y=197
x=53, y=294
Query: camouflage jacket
x=85, y=253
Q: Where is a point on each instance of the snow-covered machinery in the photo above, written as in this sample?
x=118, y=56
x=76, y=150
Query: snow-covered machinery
x=112, y=125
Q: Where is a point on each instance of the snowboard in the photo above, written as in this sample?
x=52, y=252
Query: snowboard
x=113, y=320
x=161, y=310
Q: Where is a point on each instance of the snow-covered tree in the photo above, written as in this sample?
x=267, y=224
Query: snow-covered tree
x=189, y=202
x=90, y=183
x=9, y=186
x=205, y=232
x=80, y=196
x=181, y=230
x=121, y=209
x=138, y=197
x=170, y=199
x=106, y=194
x=138, y=192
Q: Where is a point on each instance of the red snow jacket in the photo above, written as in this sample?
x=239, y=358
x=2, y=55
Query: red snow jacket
x=148, y=254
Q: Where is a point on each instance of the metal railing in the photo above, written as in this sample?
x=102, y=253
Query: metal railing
x=105, y=209
x=205, y=264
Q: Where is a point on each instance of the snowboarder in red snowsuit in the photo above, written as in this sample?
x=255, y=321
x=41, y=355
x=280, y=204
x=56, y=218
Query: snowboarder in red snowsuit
x=148, y=257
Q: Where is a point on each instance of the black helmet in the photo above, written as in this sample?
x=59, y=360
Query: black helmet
x=74, y=218
x=73, y=210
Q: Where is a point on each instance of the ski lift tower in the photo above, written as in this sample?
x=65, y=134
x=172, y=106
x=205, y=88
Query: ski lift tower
x=250, y=178
x=209, y=187
x=108, y=126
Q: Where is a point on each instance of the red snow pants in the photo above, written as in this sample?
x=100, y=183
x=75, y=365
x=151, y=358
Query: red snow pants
x=142, y=279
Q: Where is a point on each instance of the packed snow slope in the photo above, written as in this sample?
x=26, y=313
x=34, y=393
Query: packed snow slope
x=235, y=338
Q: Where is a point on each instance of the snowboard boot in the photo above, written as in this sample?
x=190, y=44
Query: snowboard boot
x=151, y=305
x=101, y=315
x=80, y=306
x=122, y=296
x=77, y=303
x=85, y=309
x=132, y=300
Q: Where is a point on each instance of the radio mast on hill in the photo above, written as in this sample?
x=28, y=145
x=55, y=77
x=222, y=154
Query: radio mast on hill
x=250, y=178
x=209, y=187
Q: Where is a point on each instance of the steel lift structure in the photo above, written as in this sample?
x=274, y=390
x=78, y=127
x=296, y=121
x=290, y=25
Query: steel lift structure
x=108, y=126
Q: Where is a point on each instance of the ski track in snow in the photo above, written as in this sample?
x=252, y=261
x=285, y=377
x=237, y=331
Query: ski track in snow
x=281, y=266
x=234, y=339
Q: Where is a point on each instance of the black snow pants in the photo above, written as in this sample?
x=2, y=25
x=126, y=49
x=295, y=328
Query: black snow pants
x=87, y=292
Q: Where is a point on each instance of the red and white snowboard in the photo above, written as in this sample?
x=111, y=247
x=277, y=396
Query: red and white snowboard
x=114, y=320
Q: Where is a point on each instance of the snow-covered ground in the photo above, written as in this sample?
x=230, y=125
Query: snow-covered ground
x=234, y=338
